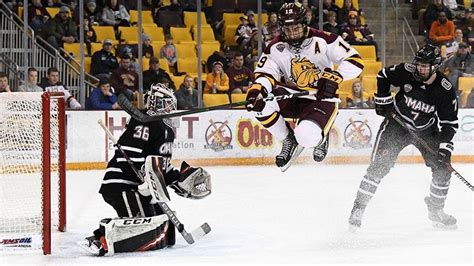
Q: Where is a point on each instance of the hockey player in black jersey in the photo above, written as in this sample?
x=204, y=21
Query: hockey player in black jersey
x=427, y=104
x=130, y=197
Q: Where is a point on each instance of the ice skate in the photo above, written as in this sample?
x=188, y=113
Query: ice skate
x=355, y=220
x=438, y=217
x=93, y=246
x=320, y=151
x=290, y=150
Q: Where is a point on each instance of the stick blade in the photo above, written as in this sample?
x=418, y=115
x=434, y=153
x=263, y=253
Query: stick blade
x=198, y=233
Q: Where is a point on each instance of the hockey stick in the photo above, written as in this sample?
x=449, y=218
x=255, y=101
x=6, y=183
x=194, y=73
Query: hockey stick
x=134, y=112
x=429, y=149
x=190, y=238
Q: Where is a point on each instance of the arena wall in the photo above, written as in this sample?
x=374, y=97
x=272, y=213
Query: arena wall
x=232, y=137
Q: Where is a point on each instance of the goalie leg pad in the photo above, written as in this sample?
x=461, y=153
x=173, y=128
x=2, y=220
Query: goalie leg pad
x=155, y=180
x=137, y=234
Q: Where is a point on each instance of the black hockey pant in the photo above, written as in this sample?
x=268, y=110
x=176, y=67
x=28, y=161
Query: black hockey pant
x=391, y=139
x=133, y=204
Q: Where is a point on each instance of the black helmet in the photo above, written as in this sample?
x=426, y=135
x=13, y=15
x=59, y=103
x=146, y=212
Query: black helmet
x=428, y=54
x=292, y=14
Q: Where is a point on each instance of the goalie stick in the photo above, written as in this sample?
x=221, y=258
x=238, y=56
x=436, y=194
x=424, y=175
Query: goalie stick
x=429, y=149
x=134, y=112
x=190, y=238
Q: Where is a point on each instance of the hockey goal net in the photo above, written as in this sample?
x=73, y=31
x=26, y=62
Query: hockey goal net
x=32, y=169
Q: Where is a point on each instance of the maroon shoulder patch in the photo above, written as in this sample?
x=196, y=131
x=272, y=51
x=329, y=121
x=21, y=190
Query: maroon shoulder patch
x=275, y=40
x=327, y=36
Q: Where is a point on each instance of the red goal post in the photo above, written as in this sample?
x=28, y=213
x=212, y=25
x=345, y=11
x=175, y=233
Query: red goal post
x=32, y=169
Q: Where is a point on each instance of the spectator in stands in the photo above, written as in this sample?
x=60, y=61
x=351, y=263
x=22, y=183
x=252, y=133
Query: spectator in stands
x=103, y=62
x=452, y=47
x=451, y=4
x=270, y=27
x=240, y=76
x=272, y=5
x=470, y=99
x=168, y=51
x=4, y=87
x=37, y=15
x=442, y=30
x=61, y=29
x=251, y=19
x=331, y=25
x=102, y=97
x=155, y=74
x=357, y=99
x=147, y=48
x=310, y=20
x=187, y=95
x=217, y=81
x=243, y=32
x=128, y=50
x=431, y=14
x=460, y=65
x=343, y=14
x=91, y=13
x=52, y=84
x=328, y=6
x=357, y=34
x=174, y=5
x=221, y=56
x=124, y=79
x=115, y=14
x=32, y=83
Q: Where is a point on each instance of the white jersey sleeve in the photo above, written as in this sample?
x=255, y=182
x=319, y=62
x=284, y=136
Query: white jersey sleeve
x=349, y=61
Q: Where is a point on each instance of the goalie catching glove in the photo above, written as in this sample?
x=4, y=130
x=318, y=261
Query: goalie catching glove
x=194, y=183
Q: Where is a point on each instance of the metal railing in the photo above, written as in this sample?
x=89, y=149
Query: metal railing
x=37, y=53
x=408, y=38
x=11, y=69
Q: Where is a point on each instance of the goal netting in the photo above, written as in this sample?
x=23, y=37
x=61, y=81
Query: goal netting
x=32, y=169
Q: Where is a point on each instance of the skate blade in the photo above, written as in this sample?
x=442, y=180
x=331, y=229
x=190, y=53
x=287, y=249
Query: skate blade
x=90, y=249
x=298, y=151
x=442, y=226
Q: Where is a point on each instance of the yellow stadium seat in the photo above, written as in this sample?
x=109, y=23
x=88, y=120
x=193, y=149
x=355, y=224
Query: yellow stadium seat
x=87, y=64
x=346, y=86
x=208, y=48
x=188, y=65
x=371, y=67
x=74, y=49
x=53, y=11
x=164, y=65
x=367, y=52
x=343, y=96
x=104, y=32
x=96, y=47
x=207, y=34
x=145, y=63
x=229, y=33
x=187, y=50
x=238, y=97
x=178, y=80
x=190, y=18
x=232, y=18
x=155, y=33
x=466, y=84
x=157, y=47
x=340, y=3
x=129, y=34
x=369, y=84
x=214, y=99
x=181, y=34
x=147, y=18
x=467, y=4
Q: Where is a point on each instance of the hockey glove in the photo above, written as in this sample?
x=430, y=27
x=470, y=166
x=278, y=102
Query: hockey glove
x=194, y=183
x=328, y=84
x=383, y=104
x=444, y=152
x=254, y=98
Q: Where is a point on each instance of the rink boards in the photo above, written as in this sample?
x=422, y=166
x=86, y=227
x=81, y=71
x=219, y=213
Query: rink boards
x=230, y=137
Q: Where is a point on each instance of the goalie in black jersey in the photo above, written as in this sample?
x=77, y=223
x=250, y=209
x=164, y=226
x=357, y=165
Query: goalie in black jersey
x=130, y=197
x=427, y=104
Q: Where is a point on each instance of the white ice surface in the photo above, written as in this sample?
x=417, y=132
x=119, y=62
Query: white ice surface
x=260, y=215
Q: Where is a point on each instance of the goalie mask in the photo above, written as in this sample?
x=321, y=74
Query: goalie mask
x=427, y=61
x=160, y=100
x=293, y=26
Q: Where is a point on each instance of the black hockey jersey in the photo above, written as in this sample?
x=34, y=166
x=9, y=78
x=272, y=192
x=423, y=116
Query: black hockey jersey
x=139, y=140
x=419, y=104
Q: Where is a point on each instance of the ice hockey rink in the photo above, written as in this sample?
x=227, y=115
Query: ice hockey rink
x=259, y=215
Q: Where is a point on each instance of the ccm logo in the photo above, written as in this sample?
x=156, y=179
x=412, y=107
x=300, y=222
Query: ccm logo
x=137, y=221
